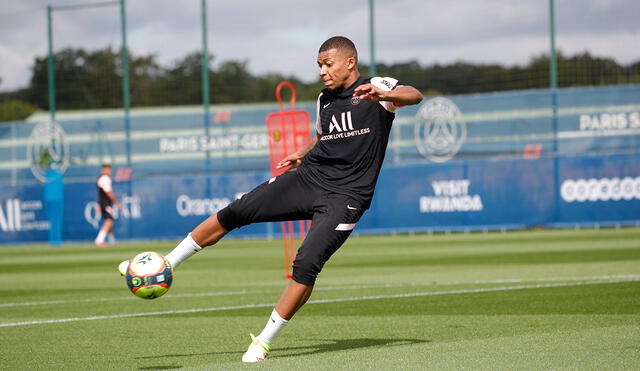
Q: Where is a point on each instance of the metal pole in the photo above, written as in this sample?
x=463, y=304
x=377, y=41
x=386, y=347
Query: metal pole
x=51, y=67
x=204, y=72
x=553, y=84
x=553, y=73
x=205, y=62
x=553, y=58
x=372, y=42
x=126, y=102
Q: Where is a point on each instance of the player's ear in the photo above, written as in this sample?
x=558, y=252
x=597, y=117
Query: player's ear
x=351, y=63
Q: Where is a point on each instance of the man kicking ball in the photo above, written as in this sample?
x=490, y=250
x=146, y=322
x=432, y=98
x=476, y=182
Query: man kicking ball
x=331, y=181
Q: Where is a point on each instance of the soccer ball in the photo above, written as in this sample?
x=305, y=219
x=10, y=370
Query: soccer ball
x=149, y=275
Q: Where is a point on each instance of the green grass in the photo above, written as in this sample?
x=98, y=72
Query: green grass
x=521, y=300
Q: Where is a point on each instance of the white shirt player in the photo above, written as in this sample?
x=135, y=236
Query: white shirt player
x=104, y=182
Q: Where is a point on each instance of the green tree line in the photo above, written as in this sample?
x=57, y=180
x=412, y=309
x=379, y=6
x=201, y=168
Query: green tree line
x=92, y=79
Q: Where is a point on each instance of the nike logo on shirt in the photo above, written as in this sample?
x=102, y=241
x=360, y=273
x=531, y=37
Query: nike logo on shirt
x=325, y=106
x=351, y=208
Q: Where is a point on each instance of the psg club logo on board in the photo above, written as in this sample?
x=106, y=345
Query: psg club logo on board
x=47, y=149
x=440, y=130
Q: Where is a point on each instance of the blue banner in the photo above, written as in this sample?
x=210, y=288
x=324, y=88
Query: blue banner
x=475, y=195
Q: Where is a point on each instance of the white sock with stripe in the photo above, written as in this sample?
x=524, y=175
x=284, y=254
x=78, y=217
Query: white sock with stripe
x=274, y=325
x=184, y=250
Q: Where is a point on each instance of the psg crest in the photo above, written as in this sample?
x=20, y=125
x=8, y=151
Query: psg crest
x=47, y=149
x=440, y=130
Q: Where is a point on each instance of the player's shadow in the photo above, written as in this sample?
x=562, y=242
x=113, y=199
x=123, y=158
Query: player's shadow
x=324, y=345
x=334, y=345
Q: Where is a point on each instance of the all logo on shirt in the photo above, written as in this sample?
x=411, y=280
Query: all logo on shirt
x=346, y=124
x=343, y=128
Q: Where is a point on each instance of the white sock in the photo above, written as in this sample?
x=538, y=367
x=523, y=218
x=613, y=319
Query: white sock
x=185, y=249
x=274, y=325
x=111, y=238
x=101, y=236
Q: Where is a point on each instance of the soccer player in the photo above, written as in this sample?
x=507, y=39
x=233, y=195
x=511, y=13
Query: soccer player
x=331, y=181
x=106, y=199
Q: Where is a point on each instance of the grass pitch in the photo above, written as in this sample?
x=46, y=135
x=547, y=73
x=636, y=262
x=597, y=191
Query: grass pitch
x=520, y=300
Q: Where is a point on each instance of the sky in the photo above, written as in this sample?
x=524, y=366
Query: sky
x=284, y=35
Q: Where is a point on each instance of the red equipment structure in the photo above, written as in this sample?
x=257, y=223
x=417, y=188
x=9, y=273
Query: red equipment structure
x=288, y=132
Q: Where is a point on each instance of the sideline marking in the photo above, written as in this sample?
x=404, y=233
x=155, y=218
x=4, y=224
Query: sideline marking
x=632, y=277
x=321, y=301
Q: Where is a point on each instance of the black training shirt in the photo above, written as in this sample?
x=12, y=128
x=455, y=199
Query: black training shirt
x=353, y=139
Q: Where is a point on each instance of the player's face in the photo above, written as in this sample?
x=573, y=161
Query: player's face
x=335, y=68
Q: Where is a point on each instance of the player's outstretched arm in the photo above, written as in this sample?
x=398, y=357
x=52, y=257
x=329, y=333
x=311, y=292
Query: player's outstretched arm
x=295, y=159
x=403, y=95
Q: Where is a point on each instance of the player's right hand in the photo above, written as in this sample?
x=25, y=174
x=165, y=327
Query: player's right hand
x=293, y=160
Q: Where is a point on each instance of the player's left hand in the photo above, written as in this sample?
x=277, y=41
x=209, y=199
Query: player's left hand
x=370, y=92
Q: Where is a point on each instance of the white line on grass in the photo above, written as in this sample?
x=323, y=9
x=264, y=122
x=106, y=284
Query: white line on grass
x=330, y=288
x=321, y=301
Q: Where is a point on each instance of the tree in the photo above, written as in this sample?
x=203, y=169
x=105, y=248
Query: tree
x=82, y=80
x=233, y=82
x=14, y=110
x=94, y=79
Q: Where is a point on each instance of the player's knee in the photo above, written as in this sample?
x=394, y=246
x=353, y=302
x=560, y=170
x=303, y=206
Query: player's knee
x=306, y=269
x=230, y=218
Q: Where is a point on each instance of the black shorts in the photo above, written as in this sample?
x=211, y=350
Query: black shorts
x=106, y=211
x=290, y=196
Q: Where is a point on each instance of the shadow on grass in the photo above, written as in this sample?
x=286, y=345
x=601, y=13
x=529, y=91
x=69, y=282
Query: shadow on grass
x=335, y=345
x=324, y=346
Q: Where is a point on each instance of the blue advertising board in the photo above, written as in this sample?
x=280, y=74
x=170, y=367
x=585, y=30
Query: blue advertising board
x=473, y=195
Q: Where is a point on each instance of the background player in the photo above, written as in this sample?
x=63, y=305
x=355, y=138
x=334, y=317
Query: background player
x=331, y=182
x=106, y=199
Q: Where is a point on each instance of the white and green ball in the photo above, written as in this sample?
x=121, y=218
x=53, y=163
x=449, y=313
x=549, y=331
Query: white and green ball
x=149, y=275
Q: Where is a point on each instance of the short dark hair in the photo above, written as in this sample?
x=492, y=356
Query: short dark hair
x=340, y=43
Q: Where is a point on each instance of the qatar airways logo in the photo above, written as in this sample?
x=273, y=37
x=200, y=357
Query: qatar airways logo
x=603, y=189
x=130, y=209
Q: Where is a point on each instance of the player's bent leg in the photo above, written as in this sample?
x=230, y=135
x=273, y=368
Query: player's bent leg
x=329, y=230
x=331, y=226
x=293, y=298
